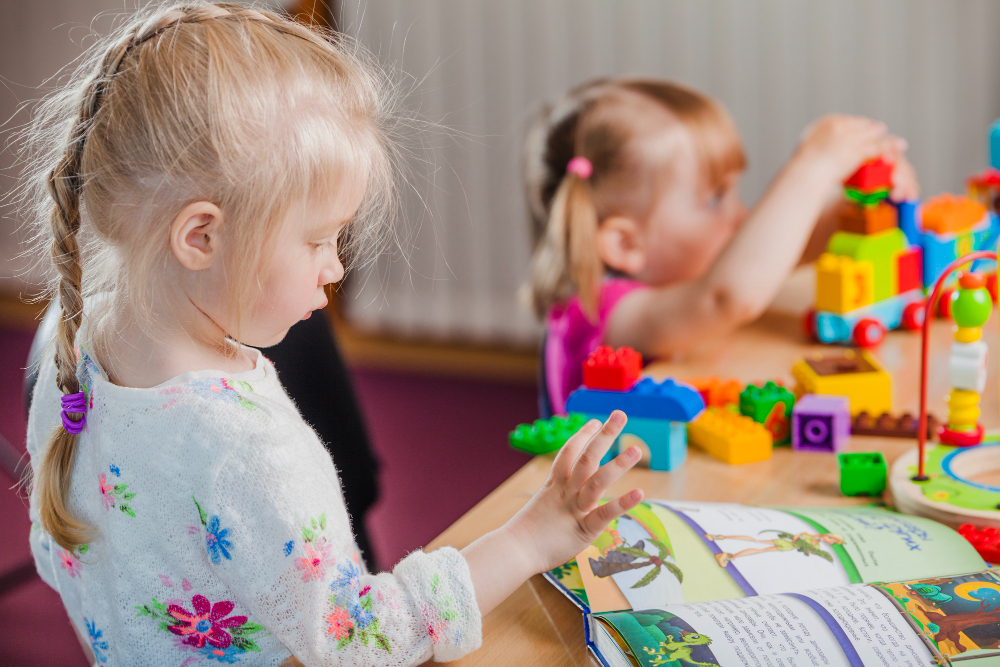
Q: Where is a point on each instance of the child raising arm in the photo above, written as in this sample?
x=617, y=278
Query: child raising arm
x=641, y=236
x=193, y=186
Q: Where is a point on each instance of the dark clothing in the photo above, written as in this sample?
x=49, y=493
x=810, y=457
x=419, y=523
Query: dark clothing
x=313, y=373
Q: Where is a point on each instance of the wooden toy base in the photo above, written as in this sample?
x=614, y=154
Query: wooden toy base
x=949, y=495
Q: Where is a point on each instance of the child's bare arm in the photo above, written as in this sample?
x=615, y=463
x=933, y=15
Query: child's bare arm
x=560, y=520
x=750, y=270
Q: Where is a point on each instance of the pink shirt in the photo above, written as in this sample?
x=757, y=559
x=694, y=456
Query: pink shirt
x=571, y=337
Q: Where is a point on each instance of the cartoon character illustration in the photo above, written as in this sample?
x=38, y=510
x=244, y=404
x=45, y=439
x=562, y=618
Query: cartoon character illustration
x=624, y=558
x=930, y=593
x=680, y=649
x=804, y=543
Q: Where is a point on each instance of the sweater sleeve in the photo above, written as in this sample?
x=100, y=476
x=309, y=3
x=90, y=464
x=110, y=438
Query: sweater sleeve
x=277, y=534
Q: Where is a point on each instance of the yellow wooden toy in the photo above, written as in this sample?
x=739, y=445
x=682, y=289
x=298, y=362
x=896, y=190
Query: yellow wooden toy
x=843, y=284
x=855, y=374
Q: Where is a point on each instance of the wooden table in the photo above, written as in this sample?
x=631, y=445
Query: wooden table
x=538, y=626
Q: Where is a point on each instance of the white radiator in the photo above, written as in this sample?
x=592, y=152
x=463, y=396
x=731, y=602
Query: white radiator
x=929, y=68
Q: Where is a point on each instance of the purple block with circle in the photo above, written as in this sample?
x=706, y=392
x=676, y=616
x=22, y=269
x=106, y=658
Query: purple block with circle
x=821, y=423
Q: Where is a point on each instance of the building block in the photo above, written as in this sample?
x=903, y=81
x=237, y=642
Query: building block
x=872, y=175
x=995, y=144
x=908, y=213
x=866, y=198
x=862, y=473
x=843, y=285
x=889, y=426
x=608, y=368
x=855, y=374
x=879, y=249
x=858, y=219
x=546, y=435
x=667, y=400
x=984, y=188
x=949, y=214
x=717, y=392
x=770, y=405
x=967, y=366
x=985, y=540
x=821, y=423
x=909, y=265
x=730, y=437
x=663, y=443
x=938, y=253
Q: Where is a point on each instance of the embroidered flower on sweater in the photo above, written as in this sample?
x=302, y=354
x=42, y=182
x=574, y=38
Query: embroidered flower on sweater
x=113, y=495
x=437, y=615
x=215, y=535
x=70, y=563
x=220, y=388
x=287, y=549
x=352, y=617
x=318, y=552
x=97, y=645
x=207, y=627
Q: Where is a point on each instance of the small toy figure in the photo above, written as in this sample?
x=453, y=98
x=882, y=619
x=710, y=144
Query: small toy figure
x=971, y=307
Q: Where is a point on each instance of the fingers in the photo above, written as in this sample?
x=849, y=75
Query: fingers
x=594, y=488
x=905, y=186
x=589, y=460
x=595, y=522
x=569, y=452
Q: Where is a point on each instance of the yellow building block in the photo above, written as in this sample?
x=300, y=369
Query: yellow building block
x=730, y=437
x=880, y=250
x=855, y=374
x=843, y=284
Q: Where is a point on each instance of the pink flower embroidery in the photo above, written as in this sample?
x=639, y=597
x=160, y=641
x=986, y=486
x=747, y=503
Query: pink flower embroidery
x=434, y=624
x=316, y=560
x=106, y=489
x=70, y=563
x=340, y=623
x=206, y=623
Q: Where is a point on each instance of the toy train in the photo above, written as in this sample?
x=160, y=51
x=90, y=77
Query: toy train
x=878, y=266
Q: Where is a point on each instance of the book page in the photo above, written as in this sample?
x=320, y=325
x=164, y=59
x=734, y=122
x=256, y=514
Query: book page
x=921, y=622
x=670, y=552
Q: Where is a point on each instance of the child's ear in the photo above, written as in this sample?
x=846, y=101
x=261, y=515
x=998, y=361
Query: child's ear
x=194, y=235
x=620, y=245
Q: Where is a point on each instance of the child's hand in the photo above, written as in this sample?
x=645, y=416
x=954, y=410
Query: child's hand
x=840, y=144
x=904, y=180
x=563, y=517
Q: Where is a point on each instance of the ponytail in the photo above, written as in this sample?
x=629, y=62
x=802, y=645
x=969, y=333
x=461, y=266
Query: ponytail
x=566, y=260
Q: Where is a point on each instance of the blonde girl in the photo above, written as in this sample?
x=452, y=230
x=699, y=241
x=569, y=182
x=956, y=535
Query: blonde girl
x=194, y=182
x=640, y=235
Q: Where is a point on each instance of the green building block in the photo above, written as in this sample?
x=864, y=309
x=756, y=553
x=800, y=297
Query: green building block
x=546, y=435
x=879, y=249
x=862, y=473
x=866, y=198
x=771, y=405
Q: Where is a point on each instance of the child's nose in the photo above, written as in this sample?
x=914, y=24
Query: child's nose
x=331, y=274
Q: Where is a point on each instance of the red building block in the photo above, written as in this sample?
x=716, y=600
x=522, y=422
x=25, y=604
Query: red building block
x=873, y=175
x=909, y=268
x=985, y=540
x=607, y=368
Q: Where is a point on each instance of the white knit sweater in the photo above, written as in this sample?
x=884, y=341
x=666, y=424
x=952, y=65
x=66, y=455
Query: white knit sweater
x=221, y=535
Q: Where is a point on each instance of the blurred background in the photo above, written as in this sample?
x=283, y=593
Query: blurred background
x=439, y=346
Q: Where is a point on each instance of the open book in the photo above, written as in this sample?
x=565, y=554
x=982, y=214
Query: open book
x=689, y=584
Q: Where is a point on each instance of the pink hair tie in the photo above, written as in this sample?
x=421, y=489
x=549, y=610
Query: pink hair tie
x=75, y=403
x=580, y=166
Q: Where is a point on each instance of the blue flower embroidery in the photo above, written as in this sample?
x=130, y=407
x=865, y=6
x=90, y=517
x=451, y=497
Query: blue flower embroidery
x=288, y=547
x=97, y=645
x=229, y=655
x=215, y=540
x=362, y=617
x=116, y=470
x=349, y=579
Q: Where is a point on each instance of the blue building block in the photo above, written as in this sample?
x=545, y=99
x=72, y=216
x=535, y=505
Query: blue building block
x=666, y=400
x=665, y=441
x=907, y=214
x=839, y=327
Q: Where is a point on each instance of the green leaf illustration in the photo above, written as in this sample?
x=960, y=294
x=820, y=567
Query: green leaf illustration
x=383, y=643
x=664, y=549
x=674, y=570
x=646, y=580
x=322, y=521
x=632, y=551
x=129, y=496
x=127, y=510
x=120, y=488
x=307, y=535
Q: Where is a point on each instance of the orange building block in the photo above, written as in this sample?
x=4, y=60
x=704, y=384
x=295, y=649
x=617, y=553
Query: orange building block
x=843, y=284
x=948, y=213
x=730, y=437
x=859, y=219
x=718, y=392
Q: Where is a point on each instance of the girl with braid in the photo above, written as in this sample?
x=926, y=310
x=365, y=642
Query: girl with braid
x=640, y=234
x=194, y=183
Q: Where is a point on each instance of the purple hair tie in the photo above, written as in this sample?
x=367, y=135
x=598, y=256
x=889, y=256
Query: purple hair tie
x=75, y=403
